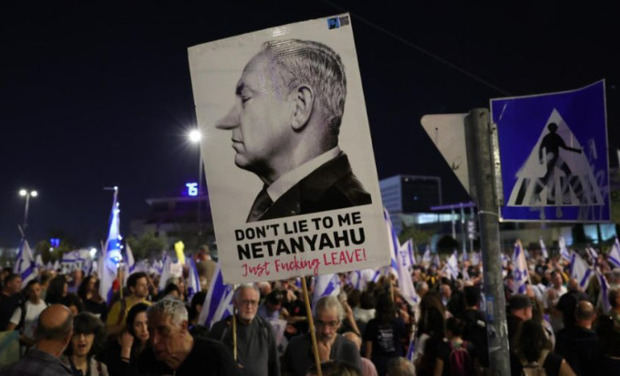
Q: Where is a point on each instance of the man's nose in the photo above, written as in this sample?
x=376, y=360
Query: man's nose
x=231, y=120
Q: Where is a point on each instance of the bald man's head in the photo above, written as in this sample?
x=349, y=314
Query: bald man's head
x=584, y=311
x=55, y=323
x=353, y=337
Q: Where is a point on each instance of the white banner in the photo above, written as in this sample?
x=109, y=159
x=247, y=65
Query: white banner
x=287, y=152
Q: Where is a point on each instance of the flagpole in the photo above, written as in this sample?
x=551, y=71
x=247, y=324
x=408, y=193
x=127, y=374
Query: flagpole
x=315, y=347
x=234, y=328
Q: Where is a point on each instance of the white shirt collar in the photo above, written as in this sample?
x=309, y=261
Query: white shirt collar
x=289, y=179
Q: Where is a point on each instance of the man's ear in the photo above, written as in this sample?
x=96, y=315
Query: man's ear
x=303, y=98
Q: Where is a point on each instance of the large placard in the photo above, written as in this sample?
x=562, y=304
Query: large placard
x=287, y=152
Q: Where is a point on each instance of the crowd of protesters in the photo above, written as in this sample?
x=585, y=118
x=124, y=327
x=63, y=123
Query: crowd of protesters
x=555, y=327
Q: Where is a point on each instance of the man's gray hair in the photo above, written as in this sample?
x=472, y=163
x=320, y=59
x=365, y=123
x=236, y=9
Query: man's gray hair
x=329, y=302
x=314, y=64
x=170, y=307
x=244, y=286
x=400, y=367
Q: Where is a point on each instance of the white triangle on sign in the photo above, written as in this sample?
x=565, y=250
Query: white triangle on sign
x=556, y=172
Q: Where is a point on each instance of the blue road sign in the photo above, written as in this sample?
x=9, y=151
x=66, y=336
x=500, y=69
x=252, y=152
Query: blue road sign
x=553, y=151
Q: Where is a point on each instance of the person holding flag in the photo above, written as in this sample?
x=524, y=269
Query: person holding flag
x=137, y=285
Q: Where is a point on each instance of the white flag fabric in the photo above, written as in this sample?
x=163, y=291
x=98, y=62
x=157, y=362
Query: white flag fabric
x=110, y=254
x=580, y=270
x=360, y=278
x=520, y=273
x=614, y=254
x=218, y=303
x=475, y=258
x=406, y=258
x=426, y=257
x=563, y=250
x=25, y=265
x=38, y=262
x=129, y=260
x=324, y=285
x=166, y=272
x=193, y=281
x=604, y=290
x=543, y=249
x=592, y=254
x=452, y=266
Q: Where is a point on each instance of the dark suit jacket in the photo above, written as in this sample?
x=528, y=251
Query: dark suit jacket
x=331, y=186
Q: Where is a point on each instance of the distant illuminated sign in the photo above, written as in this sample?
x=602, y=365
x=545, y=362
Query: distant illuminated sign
x=54, y=242
x=192, y=189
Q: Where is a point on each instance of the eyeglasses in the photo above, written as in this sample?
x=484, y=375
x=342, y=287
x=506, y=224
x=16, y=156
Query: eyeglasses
x=329, y=324
x=249, y=303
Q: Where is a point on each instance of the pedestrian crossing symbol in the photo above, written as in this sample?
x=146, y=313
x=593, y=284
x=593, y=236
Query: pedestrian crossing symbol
x=556, y=172
x=553, y=154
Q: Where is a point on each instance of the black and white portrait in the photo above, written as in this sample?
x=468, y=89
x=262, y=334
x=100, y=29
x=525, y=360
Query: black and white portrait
x=284, y=124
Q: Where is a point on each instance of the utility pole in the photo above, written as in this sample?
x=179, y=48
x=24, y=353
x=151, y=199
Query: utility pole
x=485, y=181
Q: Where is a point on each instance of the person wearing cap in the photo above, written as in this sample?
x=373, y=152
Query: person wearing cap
x=519, y=310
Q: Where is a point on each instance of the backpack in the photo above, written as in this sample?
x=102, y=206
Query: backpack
x=461, y=363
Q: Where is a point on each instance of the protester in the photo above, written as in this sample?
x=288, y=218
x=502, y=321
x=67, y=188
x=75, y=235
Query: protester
x=25, y=316
x=53, y=334
x=57, y=290
x=328, y=316
x=174, y=351
x=121, y=353
x=9, y=298
x=257, y=353
x=334, y=368
x=385, y=335
x=579, y=344
x=93, y=302
x=432, y=352
x=88, y=333
x=138, y=291
x=608, y=330
x=534, y=353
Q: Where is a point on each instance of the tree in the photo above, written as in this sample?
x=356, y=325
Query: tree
x=146, y=245
x=418, y=236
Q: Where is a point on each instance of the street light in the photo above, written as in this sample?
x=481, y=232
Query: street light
x=195, y=136
x=27, y=194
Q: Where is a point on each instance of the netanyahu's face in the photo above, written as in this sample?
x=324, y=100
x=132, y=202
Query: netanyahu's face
x=260, y=118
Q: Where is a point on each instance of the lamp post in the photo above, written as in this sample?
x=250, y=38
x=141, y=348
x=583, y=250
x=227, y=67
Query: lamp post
x=195, y=136
x=27, y=194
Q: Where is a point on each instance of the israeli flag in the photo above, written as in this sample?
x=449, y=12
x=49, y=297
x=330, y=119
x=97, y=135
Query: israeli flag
x=592, y=254
x=543, y=249
x=411, y=348
x=359, y=278
x=604, y=290
x=38, y=262
x=193, y=281
x=111, y=253
x=218, y=304
x=393, y=267
x=426, y=257
x=129, y=260
x=25, y=265
x=452, y=266
x=564, y=253
x=520, y=273
x=324, y=285
x=166, y=272
x=580, y=270
x=405, y=255
x=614, y=254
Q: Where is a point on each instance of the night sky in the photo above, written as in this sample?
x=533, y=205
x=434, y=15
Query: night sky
x=94, y=94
